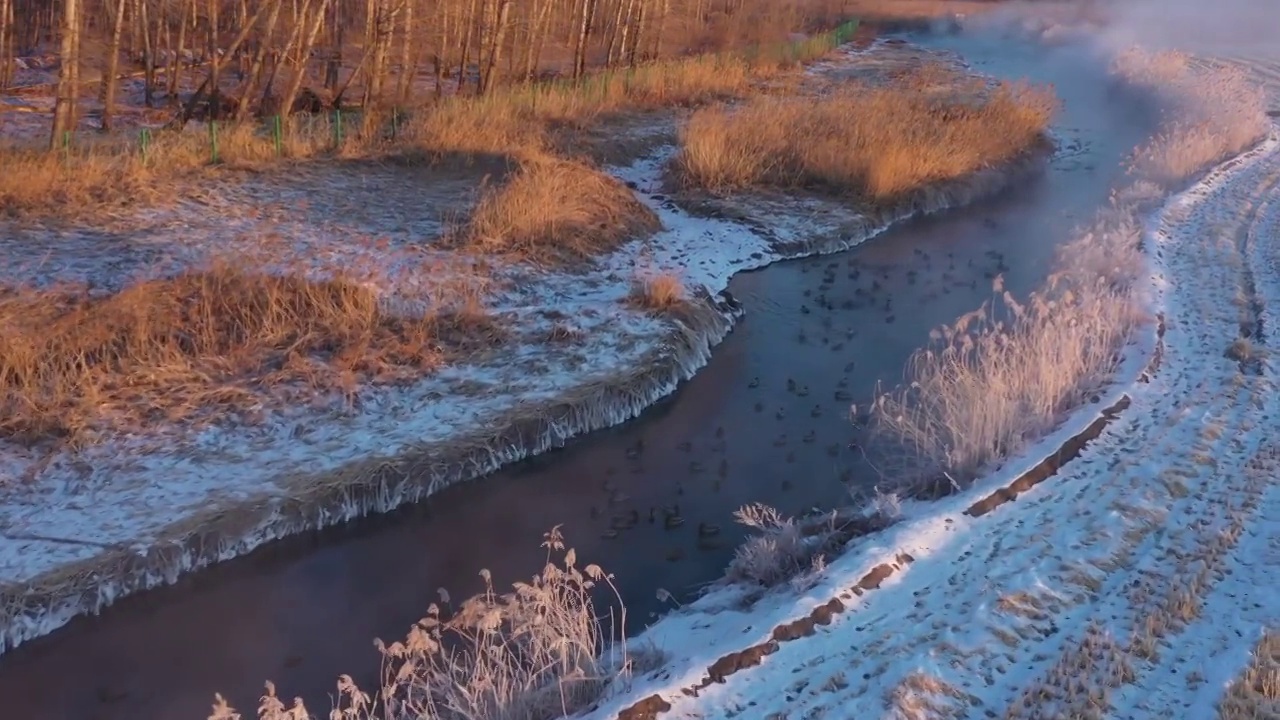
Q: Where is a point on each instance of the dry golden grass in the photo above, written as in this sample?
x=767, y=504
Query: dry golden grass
x=1008, y=372
x=72, y=363
x=115, y=171
x=920, y=696
x=1215, y=113
x=870, y=143
x=535, y=653
x=1080, y=684
x=915, y=9
x=512, y=121
x=658, y=292
x=555, y=210
x=1256, y=692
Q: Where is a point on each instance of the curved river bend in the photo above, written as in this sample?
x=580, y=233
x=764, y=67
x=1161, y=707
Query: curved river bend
x=303, y=610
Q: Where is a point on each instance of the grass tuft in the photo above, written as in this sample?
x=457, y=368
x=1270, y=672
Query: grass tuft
x=555, y=210
x=72, y=361
x=658, y=292
x=866, y=142
x=1009, y=371
x=537, y=652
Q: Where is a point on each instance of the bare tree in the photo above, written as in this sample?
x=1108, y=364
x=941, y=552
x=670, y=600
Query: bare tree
x=584, y=38
x=255, y=70
x=64, y=109
x=495, y=45
x=8, y=51
x=111, y=79
x=303, y=54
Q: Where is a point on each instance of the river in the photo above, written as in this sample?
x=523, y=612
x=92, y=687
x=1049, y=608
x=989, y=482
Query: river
x=765, y=421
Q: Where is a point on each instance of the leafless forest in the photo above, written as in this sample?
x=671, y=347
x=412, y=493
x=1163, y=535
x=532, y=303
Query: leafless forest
x=236, y=58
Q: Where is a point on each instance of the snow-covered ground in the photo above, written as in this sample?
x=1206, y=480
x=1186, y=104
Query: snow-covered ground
x=1132, y=584
x=80, y=528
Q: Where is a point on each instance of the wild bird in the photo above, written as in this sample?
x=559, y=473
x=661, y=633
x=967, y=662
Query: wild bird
x=706, y=530
x=672, y=518
x=625, y=522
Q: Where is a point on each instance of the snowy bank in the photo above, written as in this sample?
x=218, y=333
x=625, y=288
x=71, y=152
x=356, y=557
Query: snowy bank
x=81, y=529
x=1071, y=596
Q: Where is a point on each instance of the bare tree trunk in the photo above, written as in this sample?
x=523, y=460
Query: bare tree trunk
x=189, y=109
x=7, y=49
x=440, y=59
x=148, y=56
x=660, y=31
x=469, y=23
x=255, y=71
x=408, y=65
x=638, y=37
x=279, y=57
x=615, y=34
x=495, y=49
x=584, y=37
x=537, y=17
x=64, y=106
x=215, y=60
x=381, y=28
x=304, y=53
x=175, y=62
x=111, y=81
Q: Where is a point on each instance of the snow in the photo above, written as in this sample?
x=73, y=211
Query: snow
x=90, y=525
x=993, y=611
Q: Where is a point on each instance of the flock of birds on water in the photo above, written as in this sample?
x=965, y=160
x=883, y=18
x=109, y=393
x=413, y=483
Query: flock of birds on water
x=869, y=292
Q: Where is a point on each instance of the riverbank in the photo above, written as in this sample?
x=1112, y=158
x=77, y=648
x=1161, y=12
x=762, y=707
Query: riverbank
x=84, y=528
x=681, y=685
x=1064, y=609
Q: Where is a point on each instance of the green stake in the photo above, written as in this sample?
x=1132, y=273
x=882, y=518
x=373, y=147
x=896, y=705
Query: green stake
x=277, y=134
x=213, y=142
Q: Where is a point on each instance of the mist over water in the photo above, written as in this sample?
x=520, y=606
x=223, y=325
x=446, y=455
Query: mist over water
x=1234, y=27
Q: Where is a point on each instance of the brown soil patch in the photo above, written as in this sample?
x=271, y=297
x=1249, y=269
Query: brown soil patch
x=1050, y=466
x=647, y=709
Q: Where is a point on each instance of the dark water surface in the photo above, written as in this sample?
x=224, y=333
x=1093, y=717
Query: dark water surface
x=303, y=610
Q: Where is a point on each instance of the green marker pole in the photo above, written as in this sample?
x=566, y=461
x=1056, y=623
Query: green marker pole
x=66, y=148
x=213, y=142
x=144, y=140
x=337, y=127
x=277, y=134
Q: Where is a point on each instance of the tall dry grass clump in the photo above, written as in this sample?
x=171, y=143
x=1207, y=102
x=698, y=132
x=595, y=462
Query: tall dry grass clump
x=867, y=142
x=72, y=361
x=535, y=653
x=555, y=210
x=509, y=121
x=1213, y=113
x=1255, y=693
x=1008, y=372
x=99, y=172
